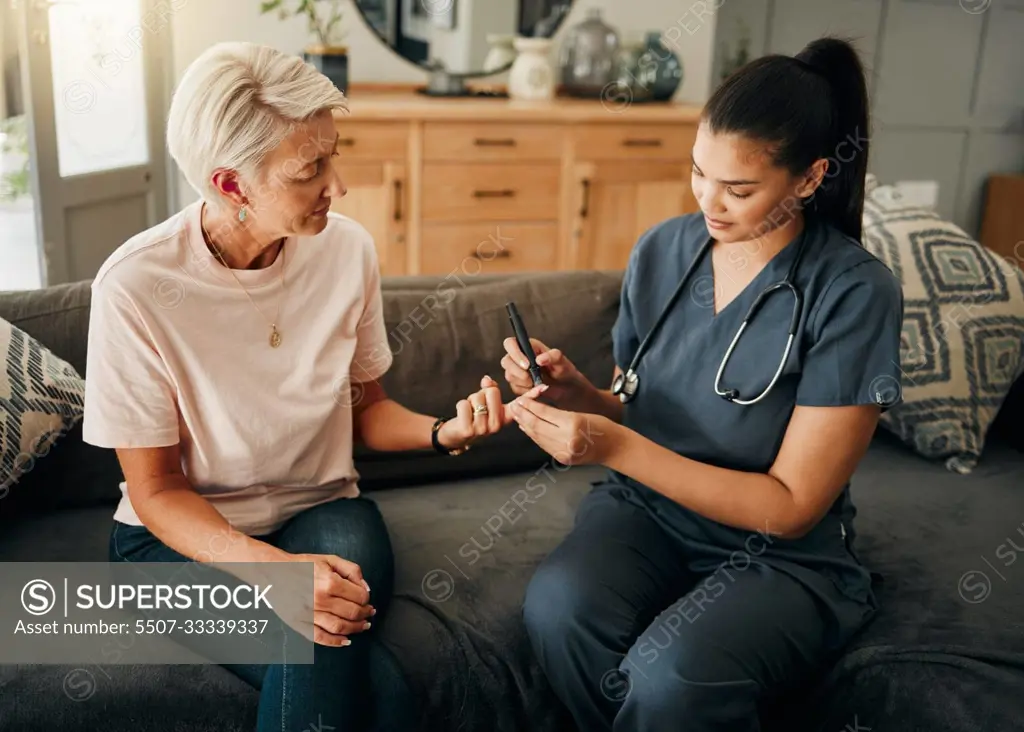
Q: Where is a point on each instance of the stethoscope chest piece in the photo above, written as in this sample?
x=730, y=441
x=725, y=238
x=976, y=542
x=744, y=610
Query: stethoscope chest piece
x=625, y=386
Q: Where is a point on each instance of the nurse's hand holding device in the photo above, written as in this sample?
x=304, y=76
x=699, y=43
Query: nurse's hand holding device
x=566, y=386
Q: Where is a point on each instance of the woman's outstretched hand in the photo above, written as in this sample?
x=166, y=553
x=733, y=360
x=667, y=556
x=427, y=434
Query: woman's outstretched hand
x=571, y=438
x=468, y=426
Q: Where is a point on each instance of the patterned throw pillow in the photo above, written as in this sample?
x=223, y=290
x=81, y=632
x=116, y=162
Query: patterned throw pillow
x=41, y=399
x=962, y=346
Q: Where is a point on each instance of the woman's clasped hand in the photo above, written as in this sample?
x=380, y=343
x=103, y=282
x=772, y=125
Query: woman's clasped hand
x=341, y=601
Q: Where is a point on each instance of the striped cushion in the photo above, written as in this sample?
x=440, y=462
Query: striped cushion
x=41, y=398
x=963, y=329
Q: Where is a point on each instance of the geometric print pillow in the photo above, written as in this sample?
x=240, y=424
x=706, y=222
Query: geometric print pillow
x=41, y=399
x=962, y=345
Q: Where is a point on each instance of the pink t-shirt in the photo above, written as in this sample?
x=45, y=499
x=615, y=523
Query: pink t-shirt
x=178, y=354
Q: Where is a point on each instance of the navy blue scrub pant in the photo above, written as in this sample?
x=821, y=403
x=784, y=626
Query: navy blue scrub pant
x=632, y=638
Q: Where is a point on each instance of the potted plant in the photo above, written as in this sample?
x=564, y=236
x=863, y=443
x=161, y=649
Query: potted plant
x=14, y=183
x=733, y=62
x=324, y=19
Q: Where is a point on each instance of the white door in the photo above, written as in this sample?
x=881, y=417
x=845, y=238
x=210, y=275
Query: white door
x=94, y=75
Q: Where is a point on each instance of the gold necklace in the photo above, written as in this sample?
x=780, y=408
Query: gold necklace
x=275, y=334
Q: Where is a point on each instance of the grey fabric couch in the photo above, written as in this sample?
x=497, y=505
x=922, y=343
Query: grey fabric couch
x=469, y=531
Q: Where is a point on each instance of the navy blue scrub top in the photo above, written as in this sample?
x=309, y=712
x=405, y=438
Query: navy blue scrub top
x=846, y=351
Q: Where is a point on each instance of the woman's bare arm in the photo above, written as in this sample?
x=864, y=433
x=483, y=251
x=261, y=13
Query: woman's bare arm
x=169, y=506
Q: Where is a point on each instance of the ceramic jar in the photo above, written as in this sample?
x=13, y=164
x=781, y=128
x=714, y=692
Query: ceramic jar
x=532, y=77
x=659, y=68
x=628, y=87
x=588, y=56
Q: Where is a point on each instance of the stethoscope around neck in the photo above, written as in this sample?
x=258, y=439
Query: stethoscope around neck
x=627, y=384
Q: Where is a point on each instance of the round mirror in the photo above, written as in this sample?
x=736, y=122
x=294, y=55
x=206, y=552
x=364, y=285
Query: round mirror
x=464, y=38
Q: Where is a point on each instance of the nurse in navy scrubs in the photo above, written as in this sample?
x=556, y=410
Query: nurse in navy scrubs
x=715, y=568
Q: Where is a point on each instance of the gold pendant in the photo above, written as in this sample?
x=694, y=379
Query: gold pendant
x=275, y=337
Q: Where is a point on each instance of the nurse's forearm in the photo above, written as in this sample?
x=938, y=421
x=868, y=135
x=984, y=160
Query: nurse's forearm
x=599, y=401
x=744, y=500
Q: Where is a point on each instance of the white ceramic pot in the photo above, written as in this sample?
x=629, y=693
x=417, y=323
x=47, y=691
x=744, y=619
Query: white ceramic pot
x=532, y=76
x=502, y=53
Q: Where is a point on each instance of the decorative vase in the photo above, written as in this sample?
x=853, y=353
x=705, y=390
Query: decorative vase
x=627, y=86
x=531, y=77
x=658, y=68
x=331, y=61
x=588, y=56
x=502, y=53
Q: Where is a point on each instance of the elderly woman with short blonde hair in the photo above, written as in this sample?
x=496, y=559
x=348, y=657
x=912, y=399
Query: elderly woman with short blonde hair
x=224, y=345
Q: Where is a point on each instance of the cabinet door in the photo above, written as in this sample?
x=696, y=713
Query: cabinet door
x=616, y=202
x=378, y=199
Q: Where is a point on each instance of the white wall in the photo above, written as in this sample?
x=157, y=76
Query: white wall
x=688, y=25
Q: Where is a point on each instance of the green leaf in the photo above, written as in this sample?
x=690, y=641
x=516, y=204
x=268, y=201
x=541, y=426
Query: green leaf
x=270, y=5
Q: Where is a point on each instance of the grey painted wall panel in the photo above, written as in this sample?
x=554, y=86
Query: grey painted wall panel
x=928, y=57
x=947, y=85
x=796, y=22
x=1000, y=100
x=915, y=155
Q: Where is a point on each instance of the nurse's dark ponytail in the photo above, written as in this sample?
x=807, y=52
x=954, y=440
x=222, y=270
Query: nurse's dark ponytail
x=806, y=107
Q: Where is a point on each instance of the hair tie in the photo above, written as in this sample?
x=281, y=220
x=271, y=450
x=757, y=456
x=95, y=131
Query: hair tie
x=806, y=66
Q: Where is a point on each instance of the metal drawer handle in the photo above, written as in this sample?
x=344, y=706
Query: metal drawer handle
x=483, y=142
x=500, y=254
x=506, y=193
x=346, y=142
x=641, y=143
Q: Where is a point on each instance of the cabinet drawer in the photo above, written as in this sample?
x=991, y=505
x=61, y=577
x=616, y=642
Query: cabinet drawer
x=488, y=247
x=490, y=192
x=481, y=141
x=373, y=141
x=634, y=142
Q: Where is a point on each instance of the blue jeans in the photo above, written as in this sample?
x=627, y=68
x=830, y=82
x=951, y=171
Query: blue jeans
x=353, y=688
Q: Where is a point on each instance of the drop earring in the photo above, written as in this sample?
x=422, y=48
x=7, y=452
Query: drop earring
x=241, y=214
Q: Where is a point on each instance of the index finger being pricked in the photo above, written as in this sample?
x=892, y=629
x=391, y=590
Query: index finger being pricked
x=531, y=413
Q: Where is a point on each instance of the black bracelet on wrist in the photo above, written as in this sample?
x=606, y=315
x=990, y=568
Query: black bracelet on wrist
x=437, y=445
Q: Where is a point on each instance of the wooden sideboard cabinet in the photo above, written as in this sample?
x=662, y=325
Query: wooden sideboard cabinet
x=491, y=185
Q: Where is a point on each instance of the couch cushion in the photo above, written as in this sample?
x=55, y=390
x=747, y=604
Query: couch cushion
x=963, y=330
x=41, y=399
x=57, y=317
